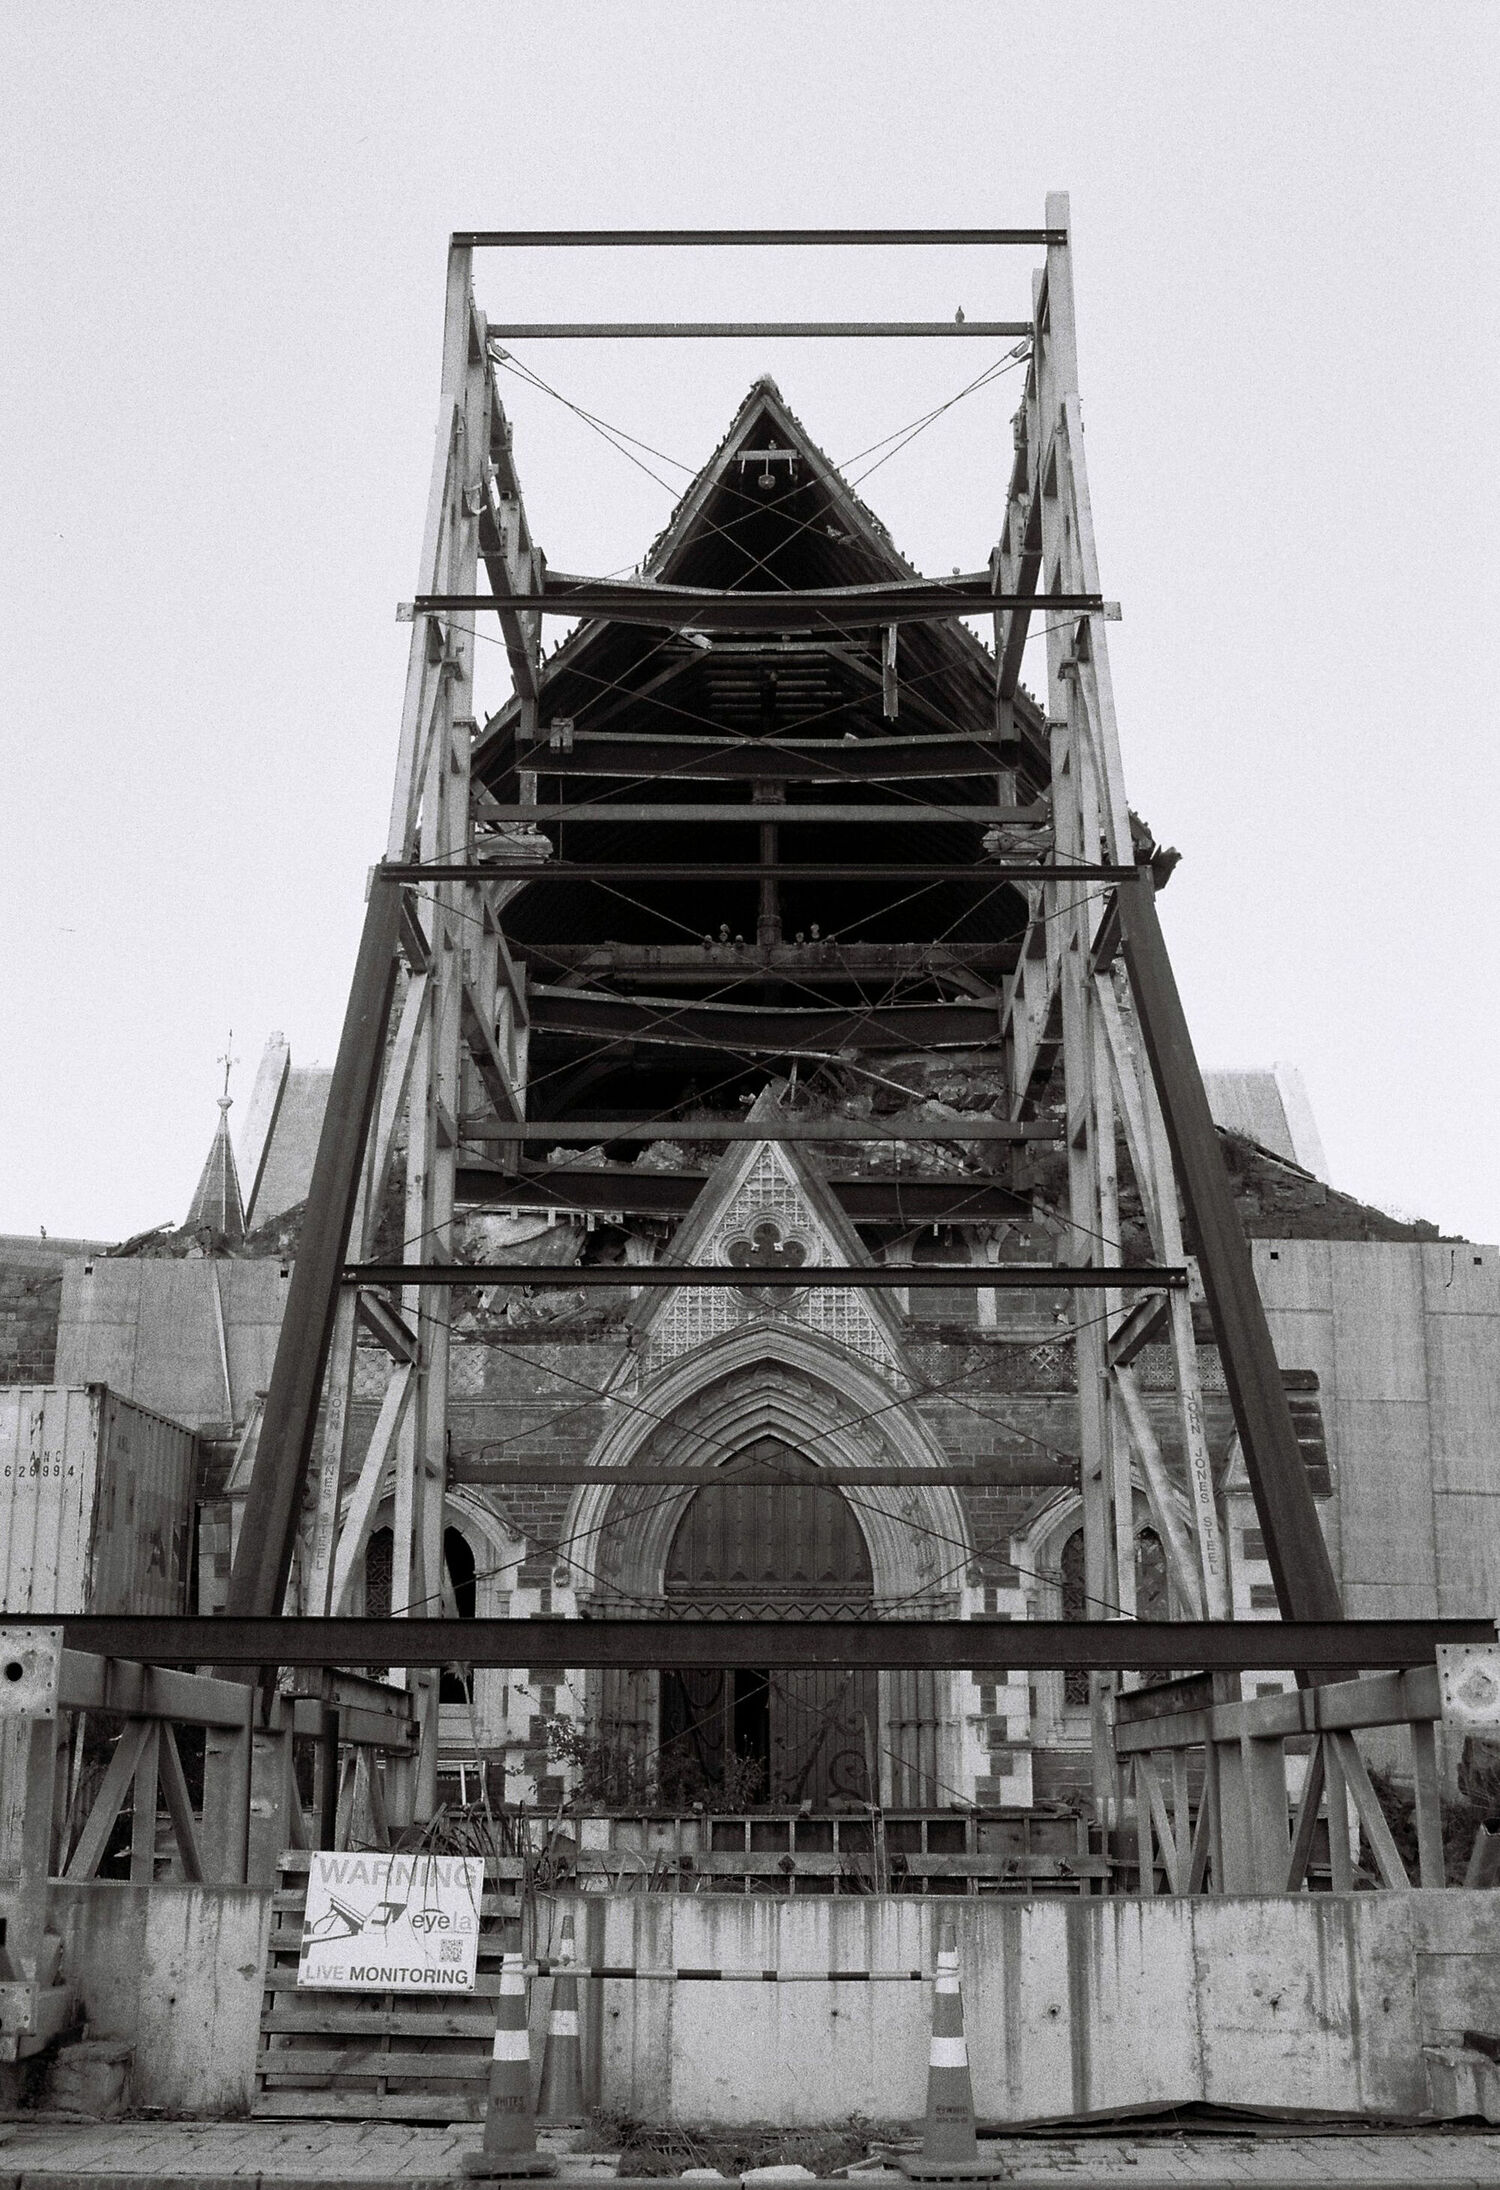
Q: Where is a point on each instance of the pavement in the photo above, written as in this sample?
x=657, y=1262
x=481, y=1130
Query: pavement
x=52, y=2154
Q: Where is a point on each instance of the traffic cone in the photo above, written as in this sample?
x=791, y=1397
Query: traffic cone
x=562, y=2054
x=509, y=2125
x=950, y=2146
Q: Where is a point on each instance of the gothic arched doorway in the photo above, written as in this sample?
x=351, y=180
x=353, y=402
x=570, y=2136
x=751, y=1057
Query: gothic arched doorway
x=758, y=1735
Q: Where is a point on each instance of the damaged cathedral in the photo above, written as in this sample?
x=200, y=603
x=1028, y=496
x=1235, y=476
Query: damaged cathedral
x=823, y=1068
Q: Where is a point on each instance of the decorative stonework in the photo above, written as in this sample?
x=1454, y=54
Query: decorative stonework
x=770, y=1195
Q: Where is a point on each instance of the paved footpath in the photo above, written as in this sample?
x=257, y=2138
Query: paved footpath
x=54, y=2155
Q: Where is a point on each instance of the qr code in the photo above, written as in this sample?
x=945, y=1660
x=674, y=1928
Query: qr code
x=450, y=1950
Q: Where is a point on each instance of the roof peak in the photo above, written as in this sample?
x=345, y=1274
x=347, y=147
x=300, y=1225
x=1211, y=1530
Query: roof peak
x=217, y=1204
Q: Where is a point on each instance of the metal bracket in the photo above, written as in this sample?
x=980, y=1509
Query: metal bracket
x=1469, y=1685
x=30, y=1659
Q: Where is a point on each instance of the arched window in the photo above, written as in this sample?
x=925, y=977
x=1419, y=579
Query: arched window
x=458, y=1567
x=1075, y=1606
x=380, y=1560
x=1150, y=1576
x=1151, y=1602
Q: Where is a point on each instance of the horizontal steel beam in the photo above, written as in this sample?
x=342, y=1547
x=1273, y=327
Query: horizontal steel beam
x=87, y=1682
x=832, y=962
x=370, y=1712
x=750, y=760
x=978, y=1474
x=766, y=1028
x=919, y=1277
x=706, y=608
x=1021, y=1645
x=701, y=330
x=625, y=1190
x=882, y=1132
x=614, y=239
x=905, y=813
x=1385, y=1699
x=993, y=874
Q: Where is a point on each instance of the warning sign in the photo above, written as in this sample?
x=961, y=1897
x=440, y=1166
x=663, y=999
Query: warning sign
x=391, y=1923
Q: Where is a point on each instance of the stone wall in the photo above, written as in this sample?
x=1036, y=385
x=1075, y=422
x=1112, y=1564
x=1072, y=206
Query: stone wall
x=31, y=1275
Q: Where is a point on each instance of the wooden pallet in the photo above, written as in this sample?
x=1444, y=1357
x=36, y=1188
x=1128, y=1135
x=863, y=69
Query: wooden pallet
x=392, y=2057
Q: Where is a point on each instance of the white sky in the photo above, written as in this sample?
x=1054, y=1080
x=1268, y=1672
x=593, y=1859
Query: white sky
x=224, y=236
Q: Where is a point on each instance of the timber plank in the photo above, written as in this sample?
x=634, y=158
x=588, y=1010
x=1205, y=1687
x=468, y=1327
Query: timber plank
x=362, y=2022
x=341, y=2063
x=371, y=2106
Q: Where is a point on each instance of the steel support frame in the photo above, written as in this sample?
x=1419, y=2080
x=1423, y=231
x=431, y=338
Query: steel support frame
x=1030, y=1645
x=1064, y=1008
x=1127, y=1067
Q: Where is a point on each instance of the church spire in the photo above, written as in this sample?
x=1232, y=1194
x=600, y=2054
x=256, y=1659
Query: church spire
x=217, y=1206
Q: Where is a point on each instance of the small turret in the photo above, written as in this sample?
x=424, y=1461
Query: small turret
x=217, y=1206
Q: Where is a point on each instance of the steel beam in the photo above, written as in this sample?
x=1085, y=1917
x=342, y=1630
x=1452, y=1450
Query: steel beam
x=968, y=1126
x=624, y=1189
x=273, y=1505
x=967, y=1023
x=918, y=1277
x=614, y=239
x=1299, y=1561
x=1023, y=1470
x=829, y=963
x=749, y=760
x=994, y=875
x=706, y=608
x=1021, y=1645
x=903, y=813
x=700, y=330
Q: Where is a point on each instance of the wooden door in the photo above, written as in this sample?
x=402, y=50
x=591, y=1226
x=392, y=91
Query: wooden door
x=768, y=1551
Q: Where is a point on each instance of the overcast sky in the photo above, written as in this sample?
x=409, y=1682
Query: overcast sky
x=224, y=237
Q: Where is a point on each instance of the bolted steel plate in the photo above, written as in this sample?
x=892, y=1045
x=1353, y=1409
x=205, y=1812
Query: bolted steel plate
x=29, y=1662
x=1469, y=1684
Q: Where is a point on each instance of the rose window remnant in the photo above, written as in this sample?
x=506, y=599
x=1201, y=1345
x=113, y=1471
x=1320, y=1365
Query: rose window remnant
x=766, y=1245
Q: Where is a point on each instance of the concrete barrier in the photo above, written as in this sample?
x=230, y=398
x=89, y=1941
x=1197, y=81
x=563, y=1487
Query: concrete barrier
x=178, y=1971
x=1071, y=2006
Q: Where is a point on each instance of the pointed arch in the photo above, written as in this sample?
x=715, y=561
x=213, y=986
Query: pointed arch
x=770, y=1379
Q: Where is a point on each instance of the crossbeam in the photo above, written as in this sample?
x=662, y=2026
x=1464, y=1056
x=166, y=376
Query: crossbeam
x=767, y=1028
x=701, y=330
x=882, y=1133
x=1020, y=1645
x=903, y=814
x=660, y=1475
x=1386, y=1699
x=993, y=874
x=751, y=760
x=527, y=239
x=709, y=608
x=830, y=961
x=920, y=1277
x=625, y=1190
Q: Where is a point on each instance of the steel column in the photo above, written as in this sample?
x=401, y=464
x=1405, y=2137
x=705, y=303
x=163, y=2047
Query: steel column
x=1300, y=1565
x=273, y=1505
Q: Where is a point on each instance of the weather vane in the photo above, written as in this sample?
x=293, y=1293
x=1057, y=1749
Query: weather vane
x=228, y=1061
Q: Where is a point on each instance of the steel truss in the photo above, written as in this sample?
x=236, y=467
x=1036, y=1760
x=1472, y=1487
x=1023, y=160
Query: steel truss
x=1089, y=1010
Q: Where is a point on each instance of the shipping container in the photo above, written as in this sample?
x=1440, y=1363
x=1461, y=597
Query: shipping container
x=96, y=1502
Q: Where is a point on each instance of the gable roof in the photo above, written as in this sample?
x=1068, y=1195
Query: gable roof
x=808, y=529
x=758, y=1183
